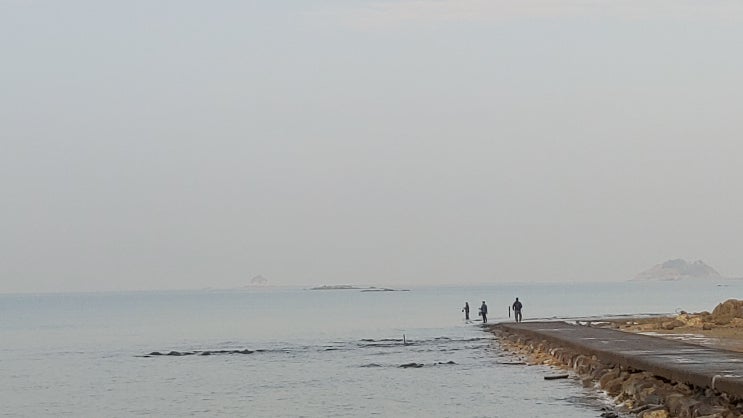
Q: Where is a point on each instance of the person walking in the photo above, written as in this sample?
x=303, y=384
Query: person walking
x=484, y=312
x=466, y=311
x=517, y=310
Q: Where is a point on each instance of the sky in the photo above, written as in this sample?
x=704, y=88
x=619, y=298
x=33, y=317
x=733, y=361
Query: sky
x=188, y=144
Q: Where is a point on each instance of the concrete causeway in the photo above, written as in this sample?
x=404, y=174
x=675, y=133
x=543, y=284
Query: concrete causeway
x=674, y=360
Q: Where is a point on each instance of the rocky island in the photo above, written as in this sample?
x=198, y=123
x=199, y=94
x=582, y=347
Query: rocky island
x=679, y=269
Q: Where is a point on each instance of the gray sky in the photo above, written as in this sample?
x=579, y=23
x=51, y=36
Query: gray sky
x=186, y=144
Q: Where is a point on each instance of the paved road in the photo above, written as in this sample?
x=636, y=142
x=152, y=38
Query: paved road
x=674, y=360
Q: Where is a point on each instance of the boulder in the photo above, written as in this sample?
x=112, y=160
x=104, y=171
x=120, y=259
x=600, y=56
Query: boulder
x=660, y=412
x=726, y=311
x=614, y=386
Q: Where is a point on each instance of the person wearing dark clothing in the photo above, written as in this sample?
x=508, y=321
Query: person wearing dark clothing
x=517, y=310
x=466, y=311
x=484, y=312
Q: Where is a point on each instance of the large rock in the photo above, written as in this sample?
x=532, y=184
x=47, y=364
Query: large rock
x=725, y=312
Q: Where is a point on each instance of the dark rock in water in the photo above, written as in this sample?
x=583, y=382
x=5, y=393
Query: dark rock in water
x=246, y=351
x=413, y=365
x=610, y=415
x=156, y=353
x=371, y=365
x=559, y=376
x=206, y=353
x=448, y=362
x=175, y=353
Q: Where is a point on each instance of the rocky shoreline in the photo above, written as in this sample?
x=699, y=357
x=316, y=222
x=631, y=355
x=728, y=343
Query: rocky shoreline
x=634, y=391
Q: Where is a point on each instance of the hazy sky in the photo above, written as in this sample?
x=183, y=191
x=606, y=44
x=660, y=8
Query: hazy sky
x=186, y=144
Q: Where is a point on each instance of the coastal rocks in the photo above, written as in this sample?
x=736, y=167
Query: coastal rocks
x=419, y=365
x=199, y=352
x=635, y=391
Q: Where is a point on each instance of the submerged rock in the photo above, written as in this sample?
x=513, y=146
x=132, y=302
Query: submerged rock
x=409, y=365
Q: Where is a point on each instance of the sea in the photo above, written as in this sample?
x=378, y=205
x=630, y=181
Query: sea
x=296, y=352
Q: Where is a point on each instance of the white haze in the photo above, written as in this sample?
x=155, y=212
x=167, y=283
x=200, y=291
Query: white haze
x=189, y=144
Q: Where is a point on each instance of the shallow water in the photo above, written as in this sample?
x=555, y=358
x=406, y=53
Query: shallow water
x=314, y=353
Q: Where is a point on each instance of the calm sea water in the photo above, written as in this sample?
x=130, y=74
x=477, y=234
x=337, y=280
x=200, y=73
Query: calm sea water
x=316, y=353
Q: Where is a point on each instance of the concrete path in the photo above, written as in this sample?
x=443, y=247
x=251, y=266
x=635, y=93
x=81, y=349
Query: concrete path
x=674, y=360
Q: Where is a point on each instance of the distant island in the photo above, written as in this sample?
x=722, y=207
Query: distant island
x=258, y=281
x=335, y=287
x=679, y=269
x=363, y=289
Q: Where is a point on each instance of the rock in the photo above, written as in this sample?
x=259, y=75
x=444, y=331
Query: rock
x=707, y=326
x=614, y=386
x=610, y=415
x=651, y=399
x=175, y=353
x=655, y=413
x=156, y=353
x=206, y=353
x=706, y=410
x=683, y=389
x=409, y=365
x=555, y=377
x=726, y=311
x=673, y=324
x=606, y=377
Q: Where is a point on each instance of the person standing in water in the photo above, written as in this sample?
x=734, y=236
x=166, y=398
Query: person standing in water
x=466, y=311
x=517, y=310
x=484, y=312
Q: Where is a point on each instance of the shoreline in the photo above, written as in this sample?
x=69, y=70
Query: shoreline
x=636, y=390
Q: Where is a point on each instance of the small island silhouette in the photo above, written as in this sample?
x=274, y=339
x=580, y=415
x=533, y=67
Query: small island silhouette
x=353, y=287
x=678, y=269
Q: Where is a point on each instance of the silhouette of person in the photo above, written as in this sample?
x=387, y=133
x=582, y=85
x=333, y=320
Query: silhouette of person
x=517, y=310
x=466, y=311
x=484, y=312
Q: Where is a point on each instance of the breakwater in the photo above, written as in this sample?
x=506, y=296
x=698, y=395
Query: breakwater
x=648, y=376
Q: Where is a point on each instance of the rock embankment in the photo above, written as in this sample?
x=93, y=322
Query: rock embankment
x=722, y=328
x=635, y=391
